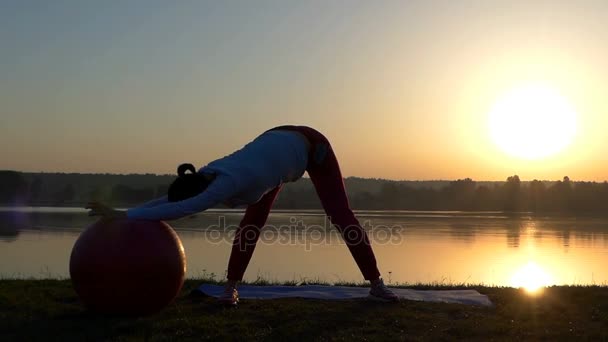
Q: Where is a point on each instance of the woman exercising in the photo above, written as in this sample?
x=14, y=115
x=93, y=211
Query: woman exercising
x=253, y=176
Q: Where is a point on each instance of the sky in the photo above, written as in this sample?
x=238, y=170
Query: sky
x=402, y=89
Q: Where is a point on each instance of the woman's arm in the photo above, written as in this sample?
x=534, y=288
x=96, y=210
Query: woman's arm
x=100, y=209
x=219, y=190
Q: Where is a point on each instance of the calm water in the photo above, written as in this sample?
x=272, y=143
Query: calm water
x=443, y=247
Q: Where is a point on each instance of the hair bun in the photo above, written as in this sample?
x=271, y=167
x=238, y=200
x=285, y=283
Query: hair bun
x=181, y=170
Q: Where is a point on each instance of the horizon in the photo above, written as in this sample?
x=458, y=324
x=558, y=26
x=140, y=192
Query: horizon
x=523, y=180
x=422, y=90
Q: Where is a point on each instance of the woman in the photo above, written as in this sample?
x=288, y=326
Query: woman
x=253, y=176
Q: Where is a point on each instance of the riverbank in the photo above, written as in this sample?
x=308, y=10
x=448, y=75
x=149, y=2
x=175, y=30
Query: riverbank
x=49, y=309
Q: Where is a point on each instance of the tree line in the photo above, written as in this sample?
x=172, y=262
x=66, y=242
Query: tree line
x=511, y=195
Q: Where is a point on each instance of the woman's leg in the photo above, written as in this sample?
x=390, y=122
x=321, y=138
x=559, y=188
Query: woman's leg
x=325, y=174
x=247, y=236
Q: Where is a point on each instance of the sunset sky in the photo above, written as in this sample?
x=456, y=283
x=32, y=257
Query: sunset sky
x=403, y=89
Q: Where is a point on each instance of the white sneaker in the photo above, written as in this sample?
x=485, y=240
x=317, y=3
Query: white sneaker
x=380, y=292
x=230, y=296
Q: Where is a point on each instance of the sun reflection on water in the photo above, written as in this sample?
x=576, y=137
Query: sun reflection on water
x=531, y=277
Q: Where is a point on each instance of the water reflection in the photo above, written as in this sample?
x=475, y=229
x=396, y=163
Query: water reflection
x=8, y=233
x=463, y=232
x=531, y=277
x=423, y=247
x=10, y=225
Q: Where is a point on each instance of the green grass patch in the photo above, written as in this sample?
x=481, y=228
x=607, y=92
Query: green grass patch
x=43, y=310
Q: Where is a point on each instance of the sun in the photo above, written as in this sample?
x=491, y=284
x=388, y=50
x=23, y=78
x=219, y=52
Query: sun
x=531, y=278
x=532, y=121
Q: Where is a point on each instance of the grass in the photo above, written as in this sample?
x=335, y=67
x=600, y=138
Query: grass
x=36, y=310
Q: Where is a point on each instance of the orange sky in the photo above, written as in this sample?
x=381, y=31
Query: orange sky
x=402, y=89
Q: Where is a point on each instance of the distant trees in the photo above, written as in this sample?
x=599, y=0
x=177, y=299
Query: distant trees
x=161, y=190
x=66, y=195
x=13, y=188
x=484, y=198
x=535, y=196
x=34, y=190
x=459, y=195
x=96, y=194
x=512, y=195
x=123, y=194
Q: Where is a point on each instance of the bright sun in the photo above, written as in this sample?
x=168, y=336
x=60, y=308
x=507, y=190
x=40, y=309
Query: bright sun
x=531, y=277
x=532, y=122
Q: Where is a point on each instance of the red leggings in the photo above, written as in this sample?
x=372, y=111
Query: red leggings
x=325, y=174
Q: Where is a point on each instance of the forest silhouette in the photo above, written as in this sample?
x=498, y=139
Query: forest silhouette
x=512, y=195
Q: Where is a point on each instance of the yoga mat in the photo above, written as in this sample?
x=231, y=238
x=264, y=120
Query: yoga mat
x=470, y=297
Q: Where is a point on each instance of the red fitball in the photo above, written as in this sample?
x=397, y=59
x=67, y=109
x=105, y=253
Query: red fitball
x=123, y=266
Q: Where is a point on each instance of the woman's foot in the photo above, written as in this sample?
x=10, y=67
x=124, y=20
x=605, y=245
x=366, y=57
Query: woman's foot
x=380, y=292
x=230, y=296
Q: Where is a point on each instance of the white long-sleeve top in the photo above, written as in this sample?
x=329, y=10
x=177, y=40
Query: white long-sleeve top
x=241, y=178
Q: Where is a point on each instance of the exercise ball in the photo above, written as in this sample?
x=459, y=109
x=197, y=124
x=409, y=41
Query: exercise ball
x=127, y=267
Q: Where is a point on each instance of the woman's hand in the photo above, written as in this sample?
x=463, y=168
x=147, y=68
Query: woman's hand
x=100, y=209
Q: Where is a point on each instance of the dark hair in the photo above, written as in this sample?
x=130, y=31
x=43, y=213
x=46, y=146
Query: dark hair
x=186, y=185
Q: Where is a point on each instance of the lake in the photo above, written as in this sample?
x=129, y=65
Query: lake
x=489, y=248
